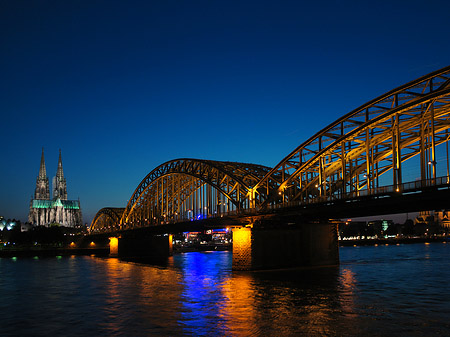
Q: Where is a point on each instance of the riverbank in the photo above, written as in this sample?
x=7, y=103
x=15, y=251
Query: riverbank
x=31, y=251
x=51, y=251
x=393, y=241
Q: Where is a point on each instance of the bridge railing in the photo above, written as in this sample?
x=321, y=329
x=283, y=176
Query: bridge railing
x=382, y=191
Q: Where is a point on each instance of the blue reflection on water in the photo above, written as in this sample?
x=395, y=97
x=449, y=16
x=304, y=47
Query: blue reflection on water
x=202, y=296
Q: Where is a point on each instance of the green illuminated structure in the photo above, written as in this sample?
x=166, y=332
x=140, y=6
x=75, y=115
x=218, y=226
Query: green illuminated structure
x=44, y=210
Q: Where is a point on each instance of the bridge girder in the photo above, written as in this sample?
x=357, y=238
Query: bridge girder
x=352, y=153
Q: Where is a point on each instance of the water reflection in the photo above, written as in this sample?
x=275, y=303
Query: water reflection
x=285, y=302
x=142, y=297
x=289, y=302
x=384, y=290
x=202, y=298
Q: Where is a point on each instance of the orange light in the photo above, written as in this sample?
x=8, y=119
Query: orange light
x=242, y=247
x=72, y=244
x=170, y=243
x=92, y=244
x=113, y=246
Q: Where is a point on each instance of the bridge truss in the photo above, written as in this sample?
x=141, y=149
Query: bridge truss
x=107, y=219
x=356, y=154
x=191, y=189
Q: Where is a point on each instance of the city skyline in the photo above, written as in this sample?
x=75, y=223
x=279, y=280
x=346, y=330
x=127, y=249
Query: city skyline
x=122, y=88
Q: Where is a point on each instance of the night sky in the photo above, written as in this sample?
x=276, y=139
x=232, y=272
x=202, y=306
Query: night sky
x=124, y=86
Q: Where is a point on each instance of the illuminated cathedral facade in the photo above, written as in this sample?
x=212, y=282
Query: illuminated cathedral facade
x=46, y=211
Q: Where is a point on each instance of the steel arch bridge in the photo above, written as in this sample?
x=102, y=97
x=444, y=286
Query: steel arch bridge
x=191, y=189
x=397, y=137
x=107, y=218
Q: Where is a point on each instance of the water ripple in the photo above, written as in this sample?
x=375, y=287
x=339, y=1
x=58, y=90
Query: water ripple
x=377, y=291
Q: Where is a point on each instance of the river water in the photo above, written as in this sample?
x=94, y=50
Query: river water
x=376, y=291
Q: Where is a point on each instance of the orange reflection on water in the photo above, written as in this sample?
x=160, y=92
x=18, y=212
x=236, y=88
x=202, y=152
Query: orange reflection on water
x=145, y=289
x=239, y=307
x=265, y=303
x=348, y=279
x=347, y=295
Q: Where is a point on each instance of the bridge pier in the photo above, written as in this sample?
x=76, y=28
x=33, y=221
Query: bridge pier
x=302, y=245
x=143, y=247
x=113, y=247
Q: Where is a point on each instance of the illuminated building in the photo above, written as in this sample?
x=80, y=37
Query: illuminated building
x=428, y=218
x=45, y=211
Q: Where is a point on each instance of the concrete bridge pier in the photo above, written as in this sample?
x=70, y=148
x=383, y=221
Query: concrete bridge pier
x=142, y=247
x=113, y=247
x=302, y=245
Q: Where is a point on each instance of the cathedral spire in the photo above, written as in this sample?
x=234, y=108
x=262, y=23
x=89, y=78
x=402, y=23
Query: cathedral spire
x=59, y=172
x=59, y=183
x=42, y=171
x=42, y=190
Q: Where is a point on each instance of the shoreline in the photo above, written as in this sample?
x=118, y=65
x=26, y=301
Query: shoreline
x=49, y=252
x=393, y=241
x=104, y=252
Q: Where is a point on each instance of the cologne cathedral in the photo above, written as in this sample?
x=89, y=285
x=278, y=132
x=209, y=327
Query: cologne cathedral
x=46, y=211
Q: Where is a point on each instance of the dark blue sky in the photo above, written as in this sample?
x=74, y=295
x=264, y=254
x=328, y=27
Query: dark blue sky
x=123, y=86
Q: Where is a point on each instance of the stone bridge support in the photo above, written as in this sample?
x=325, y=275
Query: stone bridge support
x=302, y=245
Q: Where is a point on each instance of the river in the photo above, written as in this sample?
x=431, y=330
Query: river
x=390, y=290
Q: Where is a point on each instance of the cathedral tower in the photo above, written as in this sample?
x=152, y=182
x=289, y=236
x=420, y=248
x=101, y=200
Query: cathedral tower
x=42, y=190
x=57, y=211
x=59, y=183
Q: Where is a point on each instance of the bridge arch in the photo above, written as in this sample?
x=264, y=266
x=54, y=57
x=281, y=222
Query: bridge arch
x=106, y=219
x=351, y=155
x=187, y=189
